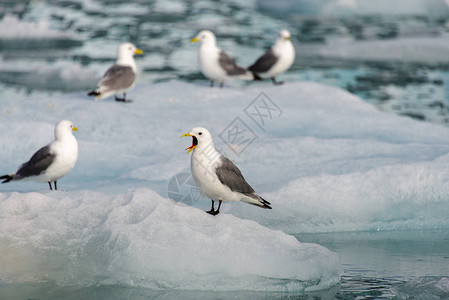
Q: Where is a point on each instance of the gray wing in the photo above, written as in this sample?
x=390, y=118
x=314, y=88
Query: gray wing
x=229, y=65
x=118, y=77
x=37, y=164
x=264, y=63
x=230, y=175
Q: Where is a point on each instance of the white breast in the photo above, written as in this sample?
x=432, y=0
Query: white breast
x=65, y=159
x=286, y=56
x=203, y=165
x=208, y=58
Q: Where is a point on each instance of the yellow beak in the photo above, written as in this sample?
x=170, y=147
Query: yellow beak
x=74, y=128
x=194, y=40
x=191, y=147
x=288, y=38
x=138, y=51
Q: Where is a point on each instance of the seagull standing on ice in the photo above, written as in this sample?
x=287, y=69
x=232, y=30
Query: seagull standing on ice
x=216, y=176
x=277, y=60
x=215, y=64
x=121, y=77
x=52, y=161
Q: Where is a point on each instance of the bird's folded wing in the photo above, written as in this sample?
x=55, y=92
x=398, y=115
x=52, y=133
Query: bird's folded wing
x=264, y=63
x=229, y=65
x=230, y=175
x=118, y=77
x=38, y=163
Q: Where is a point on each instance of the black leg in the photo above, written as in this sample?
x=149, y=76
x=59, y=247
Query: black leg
x=213, y=211
x=218, y=209
x=212, y=83
x=49, y=184
x=276, y=82
x=56, y=188
x=222, y=84
x=122, y=99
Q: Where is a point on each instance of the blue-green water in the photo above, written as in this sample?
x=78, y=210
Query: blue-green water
x=390, y=265
x=376, y=265
x=394, y=58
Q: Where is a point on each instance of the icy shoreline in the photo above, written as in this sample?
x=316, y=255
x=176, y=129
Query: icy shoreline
x=326, y=160
x=141, y=239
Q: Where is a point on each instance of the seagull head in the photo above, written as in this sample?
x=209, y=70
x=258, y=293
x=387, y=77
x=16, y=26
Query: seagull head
x=205, y=36
x=200, y=136
x=128, y=50
x=284, y=35
x=63, y=129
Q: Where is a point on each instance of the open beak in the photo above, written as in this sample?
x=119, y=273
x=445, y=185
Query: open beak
x=74, y=128
x=138, y=51
x=194, y=142
x=194, y=40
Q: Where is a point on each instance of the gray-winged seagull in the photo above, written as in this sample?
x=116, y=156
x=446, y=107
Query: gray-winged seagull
x=215, y=64
x=121, y=77
x=51, y=162
x=277, y=60
x=217, y=176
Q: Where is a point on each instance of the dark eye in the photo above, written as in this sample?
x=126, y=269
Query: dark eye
x=200, y=133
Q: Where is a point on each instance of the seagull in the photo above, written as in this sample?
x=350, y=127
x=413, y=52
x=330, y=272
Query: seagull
x=217, y=176
x=121, y=77
x=52, y=161
x=215, y=64
x=277, y=60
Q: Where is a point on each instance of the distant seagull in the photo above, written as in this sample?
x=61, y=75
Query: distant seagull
x=215, y=64
x=277, y=60
x=52, y=161
x=121, y=77
x=216, y=176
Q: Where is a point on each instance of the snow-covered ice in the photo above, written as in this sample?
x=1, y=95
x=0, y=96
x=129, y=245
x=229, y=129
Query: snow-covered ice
x=329, y=162
x=325, y=159
x=139, y=238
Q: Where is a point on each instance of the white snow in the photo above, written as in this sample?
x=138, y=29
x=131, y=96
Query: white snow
x=139, y=238
x=325, y=141
x=326, y=160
